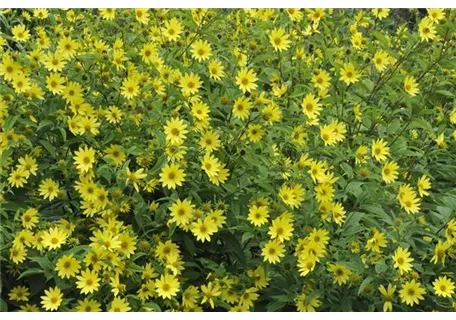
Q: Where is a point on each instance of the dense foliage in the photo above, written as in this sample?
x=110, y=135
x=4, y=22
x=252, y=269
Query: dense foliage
x=238, y=160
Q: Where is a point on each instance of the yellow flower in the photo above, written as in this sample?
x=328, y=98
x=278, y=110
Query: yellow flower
x=210, y=292
x=423, y=185
x=20, y=33
x=279, y=39
x=84, y=158
x=440, y=252
x=273, y=251
x=427, y=29
x=201, y=50
x=311, y=106
x=88, y=305
x=52, y=299
x=246, y=80
x=381, y=13
x=172, y=176
x=258, y=215
x=108, y=14
x=88, y=281
x=19, y=293
x=216, y=70
x=241, y=108
x=380, y=150
x=172, y=29
x=390, y=172
x=67, y=266
x=181, y=212
x=120, y=305
x=341, y=274
x=410, y=86
x=402, y=260
x=412, y=292
x=133, y=177
x=17, y=178
x=349, y=74
x=203, y=229
x=443, y=287
x=190, y=83
x=435, y=15
x=54, y=238
x=387, y=296
x=167, y=286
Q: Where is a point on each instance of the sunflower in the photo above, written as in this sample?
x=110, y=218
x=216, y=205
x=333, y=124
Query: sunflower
x=20, y=33
x=216, y=70
x=84, y=158
x=54, y=62
x=273, y=251
x=19, y=293
x=116, y=153
x=412, y=292
x=381, y=60
x=67, y=266
x=17, y=178
x=427, y=29
x=402, y=260
x=52, y=299
x=113, y=114
x=203, y=229
x=190, y=83
x=88, y=281
x=246, y=80
x=54, y=238
x=381, y=13
x=341, y=274
x=210, y=141
x=30, y=218
x=380, y=150
x=279, y=39
x=172, y=176
x=443, y=287
x=172, y=29
x=201, y=50
x=108, y=13
x=181, y=212
x=175, y=131
x=311, y=106
x=49, y=189
x=258, y=215
x=255, y=132
x=410, y=86
x=120, y=305
x=389, y=172
x=321, y=79
x=424, y=184
x=130, y=87
x=349, y=74
x=241, y=108
x=167, y=286
x=88, y=305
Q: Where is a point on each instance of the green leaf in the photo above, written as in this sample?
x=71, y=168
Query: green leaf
x=364, y=284
x=378, y=212
x=232, y=245
x=49, y=147
x=189, y=245
x=154, y=306
x=445, y=93
x=276, y=305
x=30, y=272
x=380, y=266
x=3, y=306
x=9, y=122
